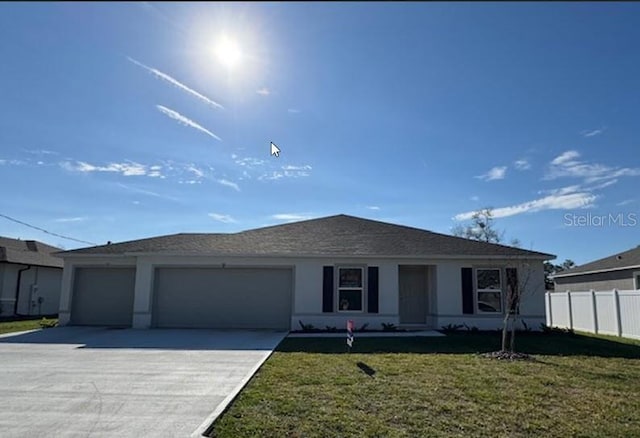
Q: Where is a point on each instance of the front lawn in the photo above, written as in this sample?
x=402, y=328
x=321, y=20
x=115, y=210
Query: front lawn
x=407, y=387
x=29, y=324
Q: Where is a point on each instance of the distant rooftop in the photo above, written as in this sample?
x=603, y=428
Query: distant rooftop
x=29, y=252
x=621, y=260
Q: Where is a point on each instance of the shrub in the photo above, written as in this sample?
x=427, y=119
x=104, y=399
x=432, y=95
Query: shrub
x=48, y=323
x=555, y=330
x=451, y=328
x=306, y=327
x=473, y=329
x=390, y=327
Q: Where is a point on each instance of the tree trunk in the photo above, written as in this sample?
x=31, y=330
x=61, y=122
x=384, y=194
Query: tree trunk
x=505, y=331
x=513, y=335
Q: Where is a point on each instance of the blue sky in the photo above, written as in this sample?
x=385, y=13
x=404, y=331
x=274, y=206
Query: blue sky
x=120, y=121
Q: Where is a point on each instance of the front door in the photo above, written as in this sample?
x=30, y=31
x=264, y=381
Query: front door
x=413, y=294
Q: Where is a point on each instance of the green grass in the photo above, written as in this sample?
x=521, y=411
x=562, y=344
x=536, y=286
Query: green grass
x=19, y=326
x=579, y=386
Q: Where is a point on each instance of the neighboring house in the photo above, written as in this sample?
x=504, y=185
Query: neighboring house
x=321, y=272
x=620, y=271
x=30, y=278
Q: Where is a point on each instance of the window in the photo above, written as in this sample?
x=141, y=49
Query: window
x=489, y=291
x=350, y=289
x=637, y=278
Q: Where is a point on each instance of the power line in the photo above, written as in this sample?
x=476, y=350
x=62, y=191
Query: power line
x=45, y=231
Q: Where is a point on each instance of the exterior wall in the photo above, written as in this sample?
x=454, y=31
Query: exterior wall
x=449, y=294
x=7, y=289
x=39, y=289
x=602, y=281
x=445, y=300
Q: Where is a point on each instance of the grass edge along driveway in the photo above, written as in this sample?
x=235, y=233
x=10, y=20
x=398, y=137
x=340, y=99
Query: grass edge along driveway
x=579, y=385
x=26, y=324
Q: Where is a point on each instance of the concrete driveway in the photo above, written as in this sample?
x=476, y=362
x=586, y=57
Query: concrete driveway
x=83, y=382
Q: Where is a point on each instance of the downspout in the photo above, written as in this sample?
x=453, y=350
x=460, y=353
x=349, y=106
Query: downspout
x=15, y=305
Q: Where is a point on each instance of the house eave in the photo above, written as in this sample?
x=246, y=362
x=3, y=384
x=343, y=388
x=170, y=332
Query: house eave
x=311, y=256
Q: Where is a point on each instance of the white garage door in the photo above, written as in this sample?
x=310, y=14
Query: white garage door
x=103, y=296
x=222, y=298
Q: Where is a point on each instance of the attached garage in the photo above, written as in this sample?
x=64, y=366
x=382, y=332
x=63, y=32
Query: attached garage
x=103, y=296
x=255, y=298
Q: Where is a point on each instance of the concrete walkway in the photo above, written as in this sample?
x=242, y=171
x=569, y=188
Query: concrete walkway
x=97, y=382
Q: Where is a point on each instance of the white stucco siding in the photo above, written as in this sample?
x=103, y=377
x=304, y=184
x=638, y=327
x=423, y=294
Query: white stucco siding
x=445, y=303
x=307, y=287
x=449, y=288
x=39, y=289
x=449, y=293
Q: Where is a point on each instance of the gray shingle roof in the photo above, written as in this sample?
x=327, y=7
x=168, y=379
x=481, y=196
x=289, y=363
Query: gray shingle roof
x=621, y=260
x=339, y=235
x=29, y=252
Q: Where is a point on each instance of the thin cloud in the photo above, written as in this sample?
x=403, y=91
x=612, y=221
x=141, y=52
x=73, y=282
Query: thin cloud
x=155, y=172
x=522, y=164
x=12, y=162
x=495, y=173
x=126, y=169
x=228, y=183
x=474, y=198
x=291, y=217
x=567, y=201
x=565, y=157
x=224, y=218
x=293, y=111
x=288, y=171
x=592, y=133
x=177, y=83
x=197, y=172
x=40, y=152
x=568, y=164
x=185, y=121
x=146, y=192
x=248, y=162
x=264, y=91
x=71, y=219
x=625, y=202
x=373, y=207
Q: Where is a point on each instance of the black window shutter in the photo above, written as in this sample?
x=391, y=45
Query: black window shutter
x=372, y=289
x=327, y=289
x=467, y=290
x=512, y=288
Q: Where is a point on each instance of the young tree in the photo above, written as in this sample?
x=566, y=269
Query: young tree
x=480, y=228
x=518, y=272
x=519, y=286
x=551, y=269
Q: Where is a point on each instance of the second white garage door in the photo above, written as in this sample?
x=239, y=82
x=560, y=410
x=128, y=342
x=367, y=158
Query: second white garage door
x=222, y=298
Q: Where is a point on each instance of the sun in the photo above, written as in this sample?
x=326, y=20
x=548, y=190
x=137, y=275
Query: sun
x=228, y=52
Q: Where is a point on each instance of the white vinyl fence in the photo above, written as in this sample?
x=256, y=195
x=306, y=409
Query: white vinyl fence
x=609, y=313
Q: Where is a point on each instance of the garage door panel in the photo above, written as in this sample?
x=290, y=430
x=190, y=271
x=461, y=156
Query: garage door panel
x=222, y=298
x=103, y=296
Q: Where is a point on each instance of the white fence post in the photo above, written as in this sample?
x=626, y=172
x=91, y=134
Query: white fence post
x=594, y=311
x=569, y=310
x=547, y=297
x=616, y=312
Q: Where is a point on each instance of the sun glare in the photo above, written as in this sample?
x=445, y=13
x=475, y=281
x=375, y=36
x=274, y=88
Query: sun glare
x=228, y=52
